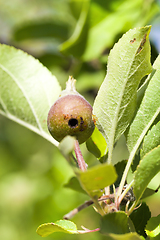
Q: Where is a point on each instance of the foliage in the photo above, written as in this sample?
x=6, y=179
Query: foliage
x=127, y=103
x=72, y=37
x=30, y=82
x=115, y=110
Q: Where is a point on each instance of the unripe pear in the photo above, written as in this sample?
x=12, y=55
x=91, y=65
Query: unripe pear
x=71, y=115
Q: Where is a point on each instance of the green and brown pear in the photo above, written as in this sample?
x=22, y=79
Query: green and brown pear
x=71, y=115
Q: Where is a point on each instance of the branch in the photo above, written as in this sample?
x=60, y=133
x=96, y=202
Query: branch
x=78, y=209
x=85, y=205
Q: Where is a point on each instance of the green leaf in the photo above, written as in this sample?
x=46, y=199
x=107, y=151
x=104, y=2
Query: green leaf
x=116, y=222
x=135, y=162
x=139, y=217
x=152, y=140
x=74, y=185
x=147, y=193
x=116, y=226
x=148, y=111
x=66, y=146
x=110, y=19
x=128, y=62
x=96, y=144
x=41, y=29
x=76, y=44
x=60, y=226
x=153, y=228
x=27, y=90
x=97, y=178
x=148, y=167
x=119, y=170
x=127, y=236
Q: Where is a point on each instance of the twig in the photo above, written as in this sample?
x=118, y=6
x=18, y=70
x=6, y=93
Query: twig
x=78, y=209
x=85, y=205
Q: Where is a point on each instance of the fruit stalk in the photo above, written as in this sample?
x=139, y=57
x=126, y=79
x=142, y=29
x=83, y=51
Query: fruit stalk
x=81, y=162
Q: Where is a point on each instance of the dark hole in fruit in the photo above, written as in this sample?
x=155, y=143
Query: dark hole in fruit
x=73, y=122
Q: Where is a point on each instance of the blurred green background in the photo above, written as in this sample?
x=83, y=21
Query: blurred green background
x=69, y=38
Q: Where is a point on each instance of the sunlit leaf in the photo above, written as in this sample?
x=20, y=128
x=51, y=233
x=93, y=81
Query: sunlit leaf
x=27, y=90
x=148, y=111
x=96, y=144
x=60, y=226
x=115, y=104
x=97, y=178
x=64, y=226
x=148, y=167
x=153, y=228
x=152, y=139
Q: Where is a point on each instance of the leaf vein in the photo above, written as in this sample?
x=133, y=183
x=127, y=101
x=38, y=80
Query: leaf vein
x=22, y=90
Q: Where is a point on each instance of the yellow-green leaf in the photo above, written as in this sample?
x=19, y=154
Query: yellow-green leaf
x=115, y=104
x=27, y=90
x=148, y=167
x=97, y=178
x=60, y=226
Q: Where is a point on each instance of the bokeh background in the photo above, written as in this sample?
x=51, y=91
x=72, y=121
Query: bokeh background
x=69, y=38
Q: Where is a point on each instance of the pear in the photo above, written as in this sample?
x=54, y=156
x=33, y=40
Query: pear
x=71, y=115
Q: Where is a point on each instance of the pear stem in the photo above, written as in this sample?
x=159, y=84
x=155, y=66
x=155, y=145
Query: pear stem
x=81, y=162
x=71, y=84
